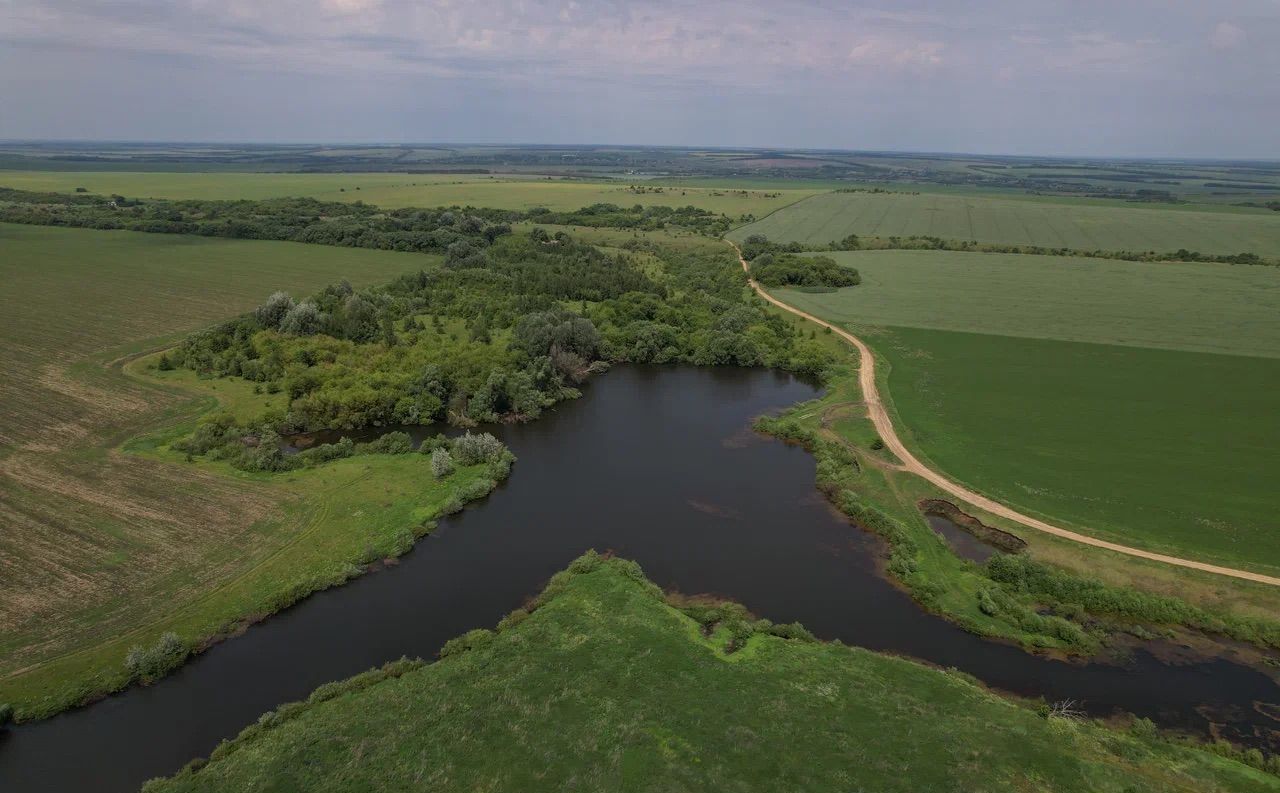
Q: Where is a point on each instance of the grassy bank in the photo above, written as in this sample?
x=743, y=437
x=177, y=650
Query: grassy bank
x=644, y=696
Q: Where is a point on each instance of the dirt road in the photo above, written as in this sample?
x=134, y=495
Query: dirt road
x=880, y=418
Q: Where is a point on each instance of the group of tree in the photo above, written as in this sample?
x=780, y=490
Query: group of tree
x=353, y=224
x=773, y=265
x=500, y=331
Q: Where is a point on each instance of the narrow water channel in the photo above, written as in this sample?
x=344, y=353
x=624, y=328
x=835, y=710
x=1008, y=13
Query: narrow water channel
x=658, y=465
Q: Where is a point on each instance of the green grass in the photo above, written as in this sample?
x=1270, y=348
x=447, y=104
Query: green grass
x=396, y=190
x=605, y=686
x=1171, y=451
x=1171, y=305
x=830, y=217
x=103, y=548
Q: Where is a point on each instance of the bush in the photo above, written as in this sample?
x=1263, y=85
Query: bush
x=476, y=488
x=149, y=664
x=471, y=449
x=215, y=431
x=391, y=443
x=437, y=441
x=6, y=715
x=327, y=451
x=266, y=456
x=441, y=463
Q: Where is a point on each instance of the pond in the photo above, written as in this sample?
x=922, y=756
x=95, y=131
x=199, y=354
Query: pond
x=658, y=465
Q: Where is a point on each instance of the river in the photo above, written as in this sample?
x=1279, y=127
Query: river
x=660, y=466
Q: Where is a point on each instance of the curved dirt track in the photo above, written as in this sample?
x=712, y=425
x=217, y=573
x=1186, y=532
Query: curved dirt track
x=880, y=418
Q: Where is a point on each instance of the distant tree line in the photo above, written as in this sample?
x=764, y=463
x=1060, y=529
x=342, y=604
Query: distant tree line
x=854, y=242
x=355, y=224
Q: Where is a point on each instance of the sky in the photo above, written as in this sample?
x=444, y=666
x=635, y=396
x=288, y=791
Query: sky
x=1113, y=78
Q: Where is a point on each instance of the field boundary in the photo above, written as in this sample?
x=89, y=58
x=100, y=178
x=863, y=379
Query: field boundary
x=884, y=426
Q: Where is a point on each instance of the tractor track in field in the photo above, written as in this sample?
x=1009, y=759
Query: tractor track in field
x=884, y=426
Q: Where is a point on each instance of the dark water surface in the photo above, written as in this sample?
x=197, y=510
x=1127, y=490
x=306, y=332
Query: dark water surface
x=659, y=465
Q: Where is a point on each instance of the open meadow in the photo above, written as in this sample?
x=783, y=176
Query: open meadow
x=1048, y=222
x=99, y=548
x=397, y=190
x=1132, y=401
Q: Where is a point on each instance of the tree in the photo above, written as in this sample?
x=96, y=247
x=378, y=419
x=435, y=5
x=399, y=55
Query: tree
x=270, y=313
x=389, y=337
x=441, y=463
x=470, y=449
x=480, y=330
x=303, y=319
x=360, y=319
x=538, y=333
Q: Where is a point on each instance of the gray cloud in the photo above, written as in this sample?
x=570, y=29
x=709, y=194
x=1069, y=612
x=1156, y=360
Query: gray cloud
x=1091, y=77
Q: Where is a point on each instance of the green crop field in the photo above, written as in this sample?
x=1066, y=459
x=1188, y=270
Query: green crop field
x=1061, y=223
x=396, y=190
x=606, y=687
x=1060, y=404
x=1171, y=305
x=99, y=547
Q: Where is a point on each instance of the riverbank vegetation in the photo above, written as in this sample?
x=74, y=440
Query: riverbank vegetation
x=474, y=718
x=504, y=330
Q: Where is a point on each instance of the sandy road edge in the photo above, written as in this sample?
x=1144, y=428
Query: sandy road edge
x=884, y=426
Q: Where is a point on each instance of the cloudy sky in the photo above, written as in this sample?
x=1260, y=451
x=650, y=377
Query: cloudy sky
x=1106, y=77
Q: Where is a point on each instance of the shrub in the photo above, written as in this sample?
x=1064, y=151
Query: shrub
x=441, y=463
x=476, y=488
x=471, y=449
x=6, y=715
x=327, y=451
x=214, y=431
x=152, y=663
x=266, y=456
x=437, y=441
x=391, y=443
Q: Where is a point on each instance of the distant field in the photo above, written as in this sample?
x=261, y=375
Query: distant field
x=1201, y=307
x=394, y=191
x=830, y=217
x=95, y=543
x=1059, y=405
x=642, y=699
